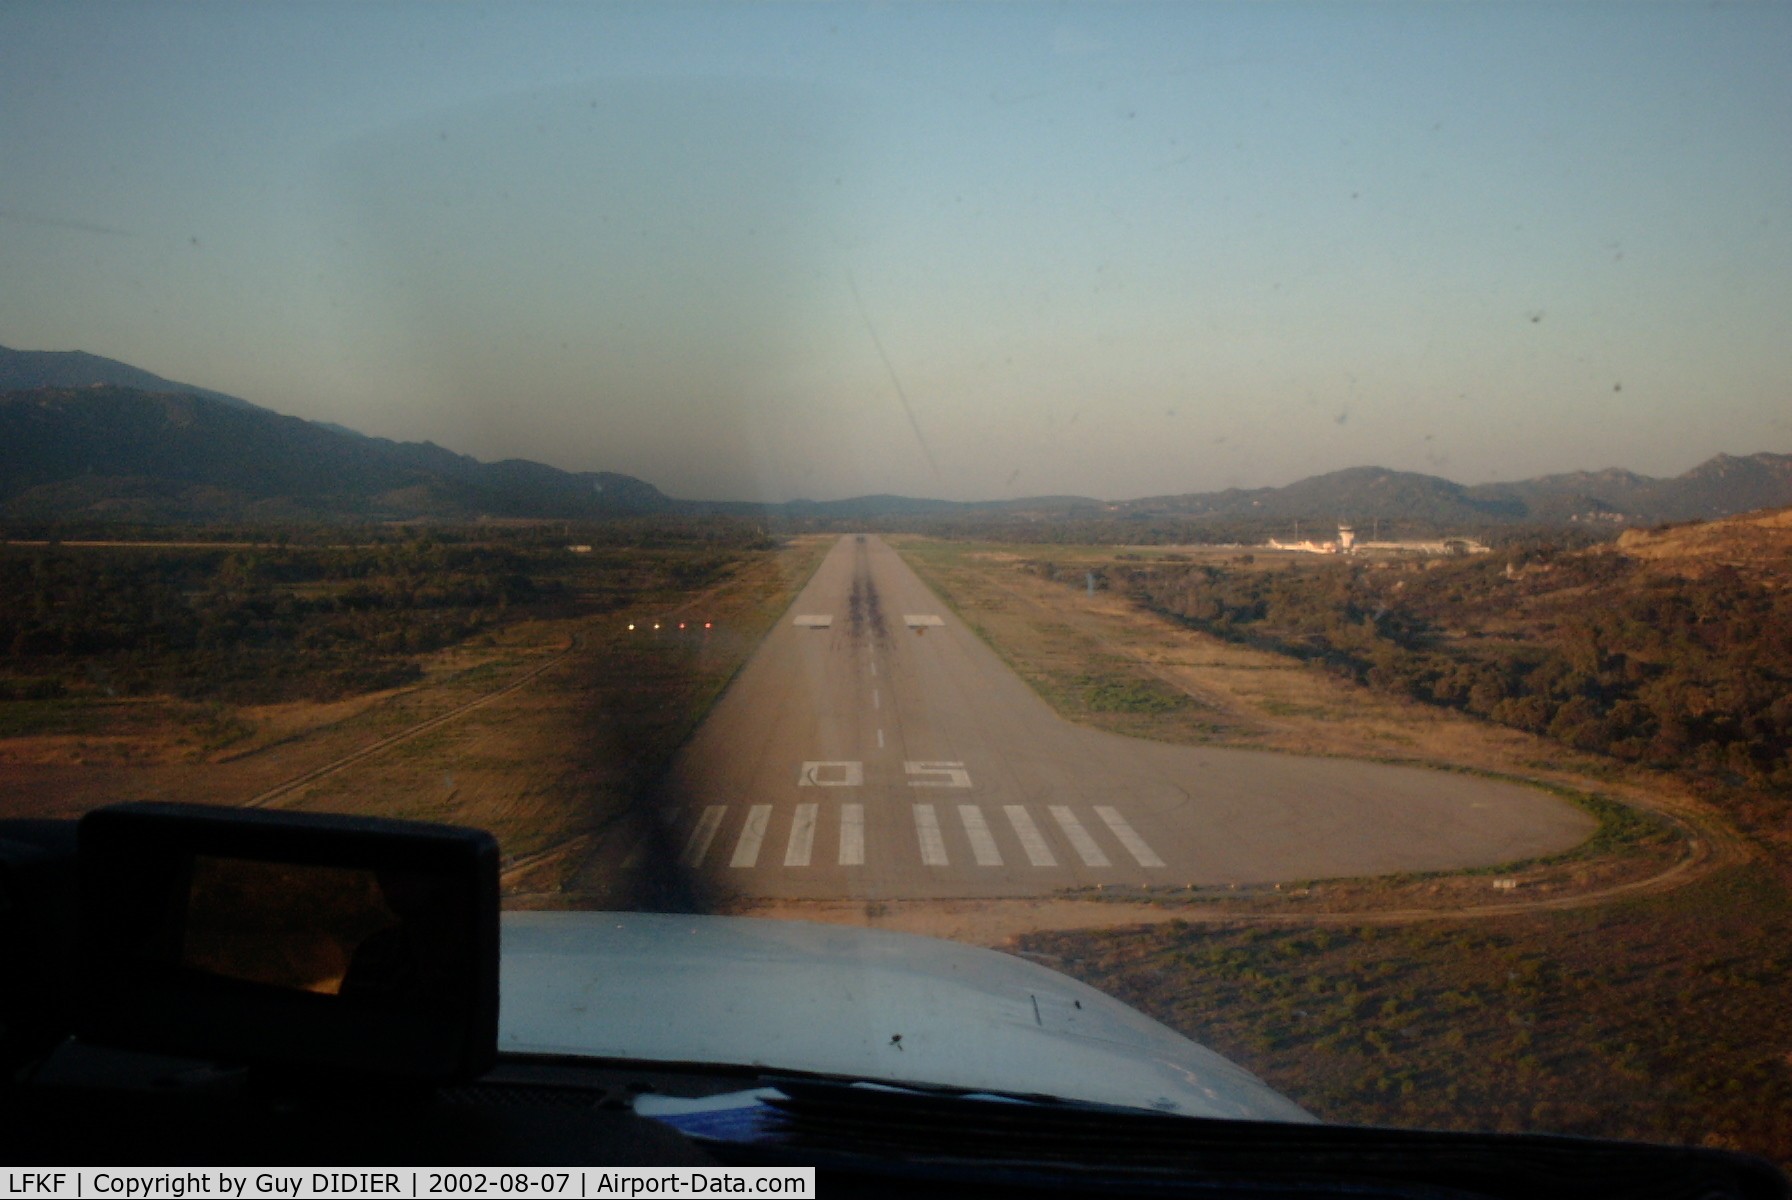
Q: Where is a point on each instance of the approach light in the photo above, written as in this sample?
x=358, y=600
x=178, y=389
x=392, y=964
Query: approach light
x=631, y=624
x=706, y=624
x=681, y=624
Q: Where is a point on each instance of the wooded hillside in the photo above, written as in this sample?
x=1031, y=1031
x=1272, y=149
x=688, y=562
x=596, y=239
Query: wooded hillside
x=1679, y=661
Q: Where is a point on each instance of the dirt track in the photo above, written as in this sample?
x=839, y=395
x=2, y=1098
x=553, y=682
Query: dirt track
x=404, y=735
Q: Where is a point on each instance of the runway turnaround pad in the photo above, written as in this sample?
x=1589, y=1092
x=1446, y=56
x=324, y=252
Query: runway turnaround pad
x=887, y=753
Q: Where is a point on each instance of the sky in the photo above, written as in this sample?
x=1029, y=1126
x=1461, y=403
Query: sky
x=762, y=251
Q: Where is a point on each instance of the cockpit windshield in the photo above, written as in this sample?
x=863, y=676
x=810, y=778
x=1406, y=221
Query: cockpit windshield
x=1275, y=513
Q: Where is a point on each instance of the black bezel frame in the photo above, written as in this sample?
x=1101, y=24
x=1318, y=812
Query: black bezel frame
x=130, y=854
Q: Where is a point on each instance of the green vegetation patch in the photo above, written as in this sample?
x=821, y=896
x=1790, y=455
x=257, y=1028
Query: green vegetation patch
x=40, y=718
x=1621, y=827
x=279, y=621
x=1077, y=675
x=1144, y=695
x=1283, y=708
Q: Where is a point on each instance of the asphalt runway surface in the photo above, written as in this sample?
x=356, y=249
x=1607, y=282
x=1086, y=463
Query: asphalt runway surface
x=874, y=747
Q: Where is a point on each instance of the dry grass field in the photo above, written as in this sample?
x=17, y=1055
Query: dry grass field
x=1662, y=1018
x=541, y=765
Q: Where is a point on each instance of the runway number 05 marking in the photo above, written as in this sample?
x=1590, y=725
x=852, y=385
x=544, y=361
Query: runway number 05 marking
x=950, y=774
x=833, y=774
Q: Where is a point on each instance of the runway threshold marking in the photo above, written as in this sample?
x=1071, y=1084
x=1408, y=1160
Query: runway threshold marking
x=1038, y=853
x=746, y=851
x=927, y=830
x=852, y=835
x=802, y=836
x=1135, y=845
x=705, y=833
x=806, y=822
x=1080, y=841
x=983, y=843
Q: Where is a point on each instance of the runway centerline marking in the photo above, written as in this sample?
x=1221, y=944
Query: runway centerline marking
x=850, y=774
x=927, y=829
x=953, y=774
x=1031, y=840
x=875, y=703
x=1135, y=845
x=852, y=835
x=746, y=851
x=1080, y=841
x=802, y=836
x=880, y=739
x=983, y=843
x=698, y=846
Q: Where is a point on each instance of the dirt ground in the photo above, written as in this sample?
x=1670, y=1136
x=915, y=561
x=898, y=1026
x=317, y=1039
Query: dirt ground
x=157, y=748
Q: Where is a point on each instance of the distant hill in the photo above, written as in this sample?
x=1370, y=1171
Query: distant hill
x=1720, y=487
x=1723, y=486
x=84, y=435
x=873, y=507
x=1358, y=493
x=24, y=370
x=131, y=453
x=134, y=454
x=1717, y=487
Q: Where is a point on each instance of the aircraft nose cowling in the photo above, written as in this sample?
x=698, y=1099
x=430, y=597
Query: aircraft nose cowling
x=845, y=1001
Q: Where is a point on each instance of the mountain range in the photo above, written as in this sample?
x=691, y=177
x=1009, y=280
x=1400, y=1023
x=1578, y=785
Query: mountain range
x=87, y=437
x=1718, y=487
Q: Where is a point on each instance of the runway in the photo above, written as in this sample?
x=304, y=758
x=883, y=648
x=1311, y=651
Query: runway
x=873, y=747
